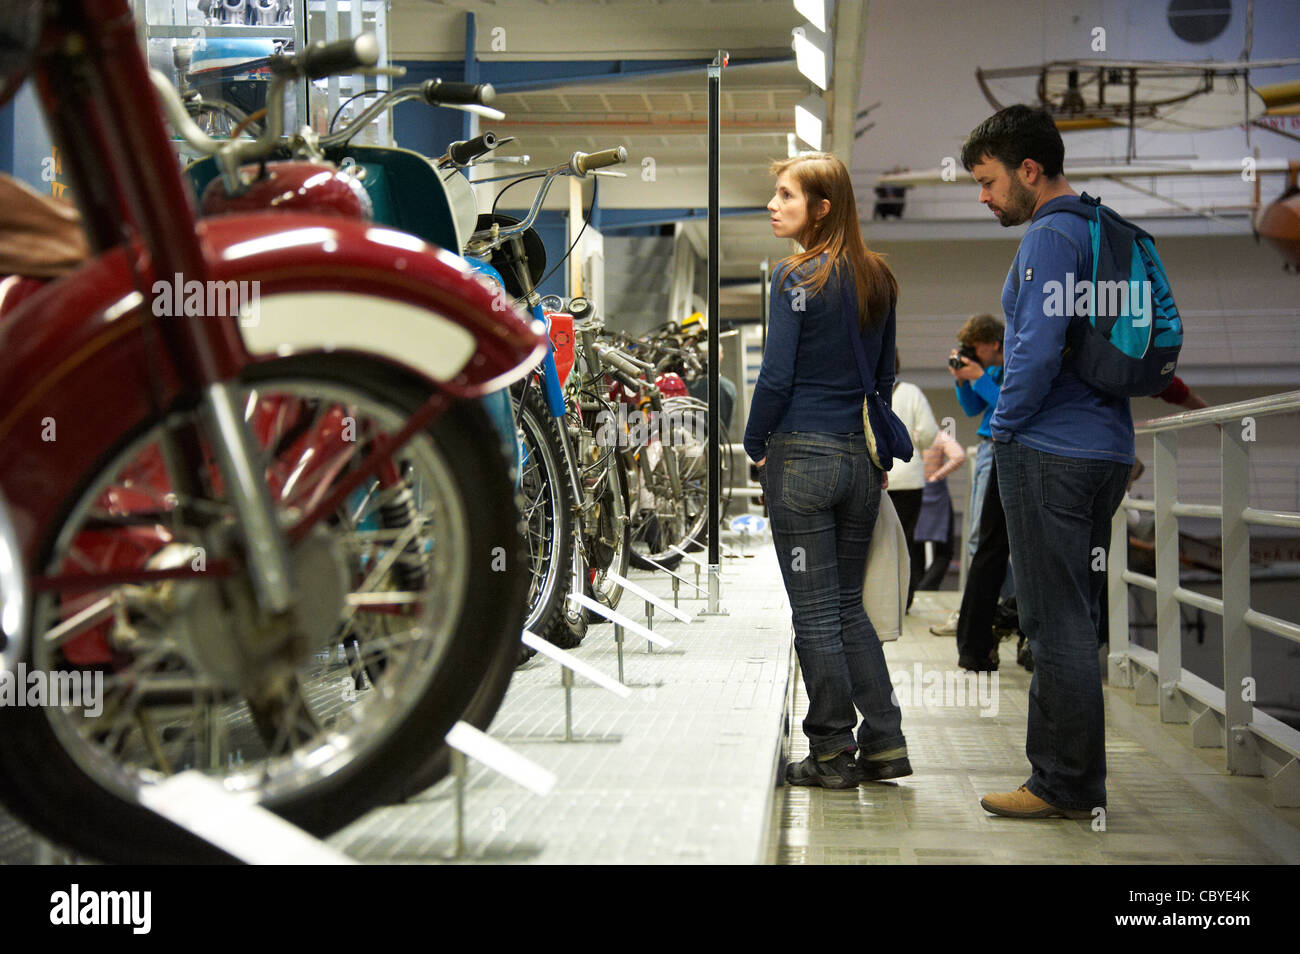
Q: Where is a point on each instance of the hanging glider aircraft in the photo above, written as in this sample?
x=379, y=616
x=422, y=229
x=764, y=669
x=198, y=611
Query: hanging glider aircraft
x=1159, y=97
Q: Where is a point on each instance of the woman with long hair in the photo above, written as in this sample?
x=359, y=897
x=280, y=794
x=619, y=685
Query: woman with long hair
x=823, y=492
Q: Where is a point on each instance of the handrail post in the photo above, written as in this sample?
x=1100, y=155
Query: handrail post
x=1117, y=668
x=1238, y=685
x=1169, y=618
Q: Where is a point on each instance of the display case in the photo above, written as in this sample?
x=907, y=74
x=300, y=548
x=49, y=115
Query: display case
x=218, y=49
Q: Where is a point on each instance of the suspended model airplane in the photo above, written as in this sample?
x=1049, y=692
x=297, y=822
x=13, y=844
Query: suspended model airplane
x=1160, y=97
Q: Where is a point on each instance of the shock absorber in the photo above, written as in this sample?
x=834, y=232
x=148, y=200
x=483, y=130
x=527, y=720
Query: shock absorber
x=397, y=513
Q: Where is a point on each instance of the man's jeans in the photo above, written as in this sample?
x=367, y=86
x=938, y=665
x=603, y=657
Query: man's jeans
x=1058, y=513
x=979, y=483
x=823, y=493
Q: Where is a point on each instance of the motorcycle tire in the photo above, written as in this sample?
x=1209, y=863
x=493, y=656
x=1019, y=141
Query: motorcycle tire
x=77, y=792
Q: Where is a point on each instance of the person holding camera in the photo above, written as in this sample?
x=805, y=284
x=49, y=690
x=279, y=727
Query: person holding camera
x=976, y=367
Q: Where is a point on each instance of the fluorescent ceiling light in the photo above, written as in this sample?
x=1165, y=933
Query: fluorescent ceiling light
x=816, y=12
x=812, y=52
x=810, y=120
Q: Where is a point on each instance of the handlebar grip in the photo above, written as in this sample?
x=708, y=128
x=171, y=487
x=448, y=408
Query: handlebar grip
x=584, y=163
x=627, y=381
x=463, y=153
x=438, y=91
x=614, y=358
x=323, y=59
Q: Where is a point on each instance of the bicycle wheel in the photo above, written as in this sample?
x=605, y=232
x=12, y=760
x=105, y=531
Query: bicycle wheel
x=609, y=538
x=666, y=516
x=727, y=463
x=292, y=732
x=548, y=521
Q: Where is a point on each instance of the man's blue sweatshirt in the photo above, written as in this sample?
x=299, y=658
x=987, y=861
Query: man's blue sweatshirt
x=809, y=380
x=1044, y=404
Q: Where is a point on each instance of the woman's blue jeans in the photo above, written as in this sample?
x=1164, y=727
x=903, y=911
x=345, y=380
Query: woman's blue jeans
x=823, y=494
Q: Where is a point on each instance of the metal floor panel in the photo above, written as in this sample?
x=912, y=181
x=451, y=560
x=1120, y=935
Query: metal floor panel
x=681, y=772
x=1167, y=803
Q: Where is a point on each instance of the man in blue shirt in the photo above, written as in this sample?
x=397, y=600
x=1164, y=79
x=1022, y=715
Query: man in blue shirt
x=1062, y=453
x=979, y=384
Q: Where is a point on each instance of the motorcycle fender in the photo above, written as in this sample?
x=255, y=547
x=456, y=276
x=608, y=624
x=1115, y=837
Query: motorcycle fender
x=77, y=354
x=330, y=284
x=74, y=379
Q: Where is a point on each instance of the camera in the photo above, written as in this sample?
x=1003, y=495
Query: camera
x=967, y=352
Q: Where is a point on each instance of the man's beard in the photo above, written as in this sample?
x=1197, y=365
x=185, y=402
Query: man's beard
x=1019, y=207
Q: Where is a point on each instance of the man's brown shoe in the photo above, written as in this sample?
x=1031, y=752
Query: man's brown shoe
x=1022, y=803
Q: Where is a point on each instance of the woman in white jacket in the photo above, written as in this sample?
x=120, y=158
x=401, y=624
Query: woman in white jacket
x=907, y=478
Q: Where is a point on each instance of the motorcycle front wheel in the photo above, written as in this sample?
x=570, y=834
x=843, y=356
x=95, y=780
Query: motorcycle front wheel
x=422, y=575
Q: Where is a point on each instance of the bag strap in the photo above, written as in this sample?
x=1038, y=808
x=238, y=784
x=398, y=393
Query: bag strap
x=855, y=336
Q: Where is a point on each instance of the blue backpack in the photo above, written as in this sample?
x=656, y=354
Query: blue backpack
x=1126, y=343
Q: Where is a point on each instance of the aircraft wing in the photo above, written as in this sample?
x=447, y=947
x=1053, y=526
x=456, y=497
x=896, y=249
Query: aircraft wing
x=1211, y=167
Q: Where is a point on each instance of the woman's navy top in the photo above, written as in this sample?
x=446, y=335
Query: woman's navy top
x=809, y=380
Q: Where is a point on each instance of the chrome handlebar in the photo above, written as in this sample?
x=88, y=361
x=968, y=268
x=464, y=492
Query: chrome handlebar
x=580, y=164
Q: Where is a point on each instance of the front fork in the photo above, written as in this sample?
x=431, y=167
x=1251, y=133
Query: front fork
x=237, y=460
x=552, y=390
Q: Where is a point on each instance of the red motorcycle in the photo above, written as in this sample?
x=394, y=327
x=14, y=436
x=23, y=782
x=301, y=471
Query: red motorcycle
x=257, y=500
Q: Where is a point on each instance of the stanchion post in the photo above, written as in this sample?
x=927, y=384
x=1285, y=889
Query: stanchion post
x=566, y=680
x=618, y=639
x=649, y=624
x=458, y=769
x=715, y=453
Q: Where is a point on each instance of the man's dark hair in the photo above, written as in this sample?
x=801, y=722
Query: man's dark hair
x=1013, y=135
x=981, y=329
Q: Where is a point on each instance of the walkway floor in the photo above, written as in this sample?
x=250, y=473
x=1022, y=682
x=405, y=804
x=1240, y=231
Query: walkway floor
x=1168, y=803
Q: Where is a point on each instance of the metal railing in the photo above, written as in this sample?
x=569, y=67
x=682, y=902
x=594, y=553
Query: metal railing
x=1255, y=742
